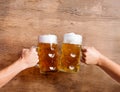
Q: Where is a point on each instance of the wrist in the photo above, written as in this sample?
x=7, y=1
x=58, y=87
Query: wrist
x=22, y=63
x=101, y=60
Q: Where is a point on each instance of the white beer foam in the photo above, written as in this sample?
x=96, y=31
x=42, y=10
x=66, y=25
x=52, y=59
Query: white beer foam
x=48, y=39
x=72, y=38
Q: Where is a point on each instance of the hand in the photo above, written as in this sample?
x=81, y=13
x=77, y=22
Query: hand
x=90, y=55
x=29, y=57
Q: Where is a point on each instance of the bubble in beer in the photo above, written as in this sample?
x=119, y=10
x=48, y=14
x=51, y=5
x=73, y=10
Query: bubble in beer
x=52, y=68
x=51, y=55
x=73, y=55
x=71, y=67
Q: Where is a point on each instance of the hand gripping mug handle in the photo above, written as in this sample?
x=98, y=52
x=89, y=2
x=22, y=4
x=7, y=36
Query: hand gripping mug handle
x=37, y=65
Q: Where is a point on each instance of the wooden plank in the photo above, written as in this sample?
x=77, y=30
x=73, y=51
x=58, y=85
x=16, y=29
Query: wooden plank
x=22, y=21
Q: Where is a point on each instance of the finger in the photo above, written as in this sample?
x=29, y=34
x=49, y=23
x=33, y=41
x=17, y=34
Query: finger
x=83, y=55
x=23, y=50
x=83, y=59
x=37, y=57
x=84, y=49
x=34, y=49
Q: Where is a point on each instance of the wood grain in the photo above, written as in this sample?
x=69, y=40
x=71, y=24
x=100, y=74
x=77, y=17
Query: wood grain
x=21, y=21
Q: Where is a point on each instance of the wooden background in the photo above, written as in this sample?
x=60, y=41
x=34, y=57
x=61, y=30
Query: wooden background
x=21, y=21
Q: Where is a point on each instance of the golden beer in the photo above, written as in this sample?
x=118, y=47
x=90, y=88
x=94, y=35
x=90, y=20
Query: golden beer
x=71, y=50
x=48, y=53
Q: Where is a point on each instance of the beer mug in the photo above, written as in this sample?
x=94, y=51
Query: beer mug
x=71, y=50
x=48, y=53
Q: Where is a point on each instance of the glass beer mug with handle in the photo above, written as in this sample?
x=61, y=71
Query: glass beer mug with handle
x=71, y=50
x=48, y=53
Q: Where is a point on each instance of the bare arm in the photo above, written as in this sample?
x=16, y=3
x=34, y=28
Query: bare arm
x=92, y=56
x=28, y=59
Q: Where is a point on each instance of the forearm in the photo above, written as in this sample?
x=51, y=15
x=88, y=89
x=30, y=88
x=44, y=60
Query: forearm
x=8, y=73
x=110, y=67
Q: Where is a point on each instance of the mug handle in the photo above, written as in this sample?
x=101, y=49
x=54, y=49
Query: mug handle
x=37, y=65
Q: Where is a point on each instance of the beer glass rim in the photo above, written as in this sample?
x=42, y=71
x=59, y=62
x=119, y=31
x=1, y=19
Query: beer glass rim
x=72, y=38
x=47, y=38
